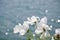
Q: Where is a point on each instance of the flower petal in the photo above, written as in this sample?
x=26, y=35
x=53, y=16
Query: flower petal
x=44, y=20
x=38, y=31
x=57, y=31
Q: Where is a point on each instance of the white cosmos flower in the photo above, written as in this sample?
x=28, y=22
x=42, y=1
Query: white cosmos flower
x=57, y=34
x=33, y=19
x=57, y=31
x=17, y=28
x=22, y=29
x=42, y=27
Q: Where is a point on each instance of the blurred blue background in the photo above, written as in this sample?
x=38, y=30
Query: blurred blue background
x=13, y=12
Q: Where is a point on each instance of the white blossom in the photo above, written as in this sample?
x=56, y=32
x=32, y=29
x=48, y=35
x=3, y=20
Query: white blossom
x=42, y=27
x=57, y=31
x=42, y=24
x=22, y=29
x=57, y=34
x=17, y=28
x=33, y=19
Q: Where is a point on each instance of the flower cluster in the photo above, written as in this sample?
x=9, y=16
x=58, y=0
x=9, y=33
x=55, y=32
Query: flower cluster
x=41, y=27
x=22, y=29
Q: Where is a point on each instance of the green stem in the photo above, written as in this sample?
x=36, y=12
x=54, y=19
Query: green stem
x=29, y=35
